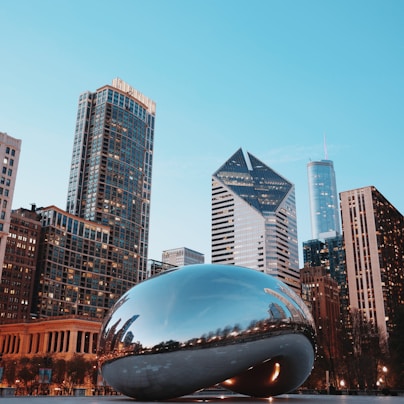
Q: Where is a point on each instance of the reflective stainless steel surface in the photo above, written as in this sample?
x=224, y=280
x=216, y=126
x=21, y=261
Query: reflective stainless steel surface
x=200, y=325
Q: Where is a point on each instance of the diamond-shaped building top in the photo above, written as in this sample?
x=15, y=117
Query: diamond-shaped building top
x=254, y=218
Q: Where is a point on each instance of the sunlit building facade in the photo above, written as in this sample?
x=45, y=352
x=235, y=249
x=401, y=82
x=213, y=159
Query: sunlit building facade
x=323, y=197
x=111, y=172
x=373, y=235
x=254, y=219
x=51, y=350
x=56, y=337
x=9, y=155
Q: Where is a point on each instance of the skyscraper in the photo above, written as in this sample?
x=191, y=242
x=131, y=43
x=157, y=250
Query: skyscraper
x=111, y=172
x=9, y=155
x=374, y=237
x=254, y=219
x=324, y=203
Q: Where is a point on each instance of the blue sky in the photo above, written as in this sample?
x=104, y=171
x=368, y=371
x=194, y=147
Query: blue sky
x=272, y=77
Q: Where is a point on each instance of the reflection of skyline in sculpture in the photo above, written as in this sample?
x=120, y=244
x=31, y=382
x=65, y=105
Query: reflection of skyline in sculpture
x=217, y=322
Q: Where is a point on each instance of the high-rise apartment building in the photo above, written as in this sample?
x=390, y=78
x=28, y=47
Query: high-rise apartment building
x=182, y=256
x=374, y=237
x=76, y=273
x=20, y=260
x=111, y=172
x=323, y=196
x=254, y=219
x=9, y=154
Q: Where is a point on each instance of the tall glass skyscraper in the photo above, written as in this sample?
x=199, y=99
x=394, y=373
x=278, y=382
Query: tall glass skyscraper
x=111, y=172
x=324, y=202
x=254, y=219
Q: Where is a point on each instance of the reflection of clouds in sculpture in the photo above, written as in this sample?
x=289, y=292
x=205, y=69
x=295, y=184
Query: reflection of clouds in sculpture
x=200, y=325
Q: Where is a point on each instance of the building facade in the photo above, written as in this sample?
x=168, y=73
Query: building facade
x=321, y=294
x=64, y=336
x=157, y=267
x=20, y=260
x=330, y=254
x=254, y=219
x=182, y=256
x=373, y=235
x=45, y=357
x=111, y=172
x=76, y=275
x=323, y=197
x=9, y=154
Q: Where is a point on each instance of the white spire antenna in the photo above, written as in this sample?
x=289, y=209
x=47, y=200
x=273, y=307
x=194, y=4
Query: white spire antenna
x=325, y=148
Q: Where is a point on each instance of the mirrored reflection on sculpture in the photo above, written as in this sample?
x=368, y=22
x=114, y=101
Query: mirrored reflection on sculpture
x=200, y=325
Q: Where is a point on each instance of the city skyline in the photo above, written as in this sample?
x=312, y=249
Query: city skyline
x=272, y=79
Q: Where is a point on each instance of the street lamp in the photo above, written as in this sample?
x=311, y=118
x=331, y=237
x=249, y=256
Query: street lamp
x=385, y=370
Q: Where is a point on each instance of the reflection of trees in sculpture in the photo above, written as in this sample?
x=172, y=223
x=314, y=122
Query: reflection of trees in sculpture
x=256, y=330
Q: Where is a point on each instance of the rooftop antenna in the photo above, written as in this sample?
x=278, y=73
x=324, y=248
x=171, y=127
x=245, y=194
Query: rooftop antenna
x=325, y=148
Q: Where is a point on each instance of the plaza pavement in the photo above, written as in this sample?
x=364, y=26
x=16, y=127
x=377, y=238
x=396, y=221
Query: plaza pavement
x=284, y=399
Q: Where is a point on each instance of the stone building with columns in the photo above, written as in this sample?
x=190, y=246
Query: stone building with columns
x=57, y=337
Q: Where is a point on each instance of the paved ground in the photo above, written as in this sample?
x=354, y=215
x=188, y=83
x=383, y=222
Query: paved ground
x=285, y=399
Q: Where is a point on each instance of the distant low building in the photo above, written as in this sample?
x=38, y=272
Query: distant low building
x=156, y=267
x=182, y=256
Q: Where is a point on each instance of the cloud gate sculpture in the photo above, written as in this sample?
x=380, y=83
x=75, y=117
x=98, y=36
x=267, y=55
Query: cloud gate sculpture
x=201, y=325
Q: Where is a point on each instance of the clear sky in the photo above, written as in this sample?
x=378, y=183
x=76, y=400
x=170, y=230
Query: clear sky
x=270, y=76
